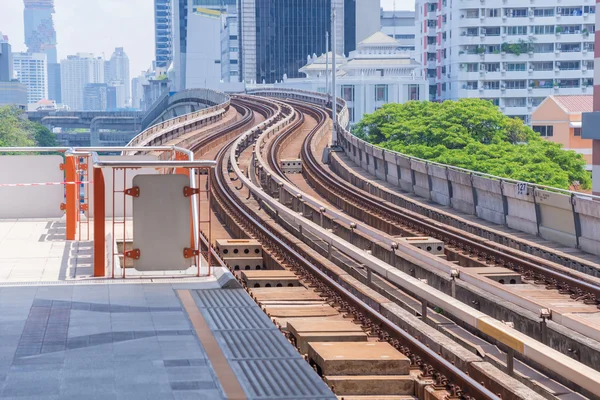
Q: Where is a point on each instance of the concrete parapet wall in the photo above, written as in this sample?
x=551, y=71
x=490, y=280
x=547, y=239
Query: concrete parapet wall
x=563, y=217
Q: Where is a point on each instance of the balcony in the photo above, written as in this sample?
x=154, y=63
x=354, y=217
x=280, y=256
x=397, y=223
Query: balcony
x=569, y=73
x=520, y=110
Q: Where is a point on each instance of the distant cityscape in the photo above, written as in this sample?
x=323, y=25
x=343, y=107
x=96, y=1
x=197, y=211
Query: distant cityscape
x=513, y=55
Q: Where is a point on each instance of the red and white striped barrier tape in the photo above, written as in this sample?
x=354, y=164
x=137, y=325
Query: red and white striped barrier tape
x=43, y=184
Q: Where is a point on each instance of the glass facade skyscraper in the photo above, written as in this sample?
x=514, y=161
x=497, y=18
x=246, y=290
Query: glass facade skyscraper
x=278, y=36
x=40, y=37
x=299, y=31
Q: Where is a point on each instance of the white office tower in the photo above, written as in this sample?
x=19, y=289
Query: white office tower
x=230, y=48
x=31, y=69
x=76, y=72
x=514, y=53
x=401, y=26
x=119, y=93
x=137, y=90
x=119, y=71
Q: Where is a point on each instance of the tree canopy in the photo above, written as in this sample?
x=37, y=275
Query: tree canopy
x=17, y=131
x=473, y=134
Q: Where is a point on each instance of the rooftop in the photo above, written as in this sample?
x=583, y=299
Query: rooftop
x=378, y=39
x=574, y=103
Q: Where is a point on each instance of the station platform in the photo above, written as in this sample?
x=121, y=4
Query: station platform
x=66, y=335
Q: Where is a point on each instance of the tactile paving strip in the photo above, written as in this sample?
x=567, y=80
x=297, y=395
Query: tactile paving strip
x=266, y=364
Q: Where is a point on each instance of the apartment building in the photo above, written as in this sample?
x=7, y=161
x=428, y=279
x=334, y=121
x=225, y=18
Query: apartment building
x=514, y=53
x=31, y=69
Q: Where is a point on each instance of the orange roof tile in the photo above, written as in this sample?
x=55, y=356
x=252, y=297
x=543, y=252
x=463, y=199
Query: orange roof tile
x=577, y=103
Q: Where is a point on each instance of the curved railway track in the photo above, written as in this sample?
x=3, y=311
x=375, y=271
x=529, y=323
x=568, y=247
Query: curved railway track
x=444, y=373
x=256, y=218
x=272, y=144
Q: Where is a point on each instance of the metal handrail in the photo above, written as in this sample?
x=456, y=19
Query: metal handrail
x=93, y=152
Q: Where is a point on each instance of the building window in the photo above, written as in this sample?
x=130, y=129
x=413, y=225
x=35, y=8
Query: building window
x=544, y=130
x=543, y=12
x=348, y=92
x=542, y=29
x=381, y=93
x=516, y=30
x=577, y=131
x=413, y=92
x=515, y=67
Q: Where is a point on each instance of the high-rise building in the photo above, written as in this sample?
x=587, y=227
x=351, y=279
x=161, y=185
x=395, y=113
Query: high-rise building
x=197, y=41
x=11, y=91
x=137, y=89
x=76, y=72
x=95, y=97
x=40, y=37
x=119, y=71
x=401, y=26
x=31, y=69
x=358, y=29
x=120, y=97
x=512, y=54
x=6, y=61
x=271, y=51
x=163, y=32
x=230, y=49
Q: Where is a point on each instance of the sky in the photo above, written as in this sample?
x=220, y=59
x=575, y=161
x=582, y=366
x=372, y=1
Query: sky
x=98, y=26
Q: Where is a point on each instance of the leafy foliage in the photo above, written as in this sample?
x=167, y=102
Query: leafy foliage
x=473, y=134
x=17, y=131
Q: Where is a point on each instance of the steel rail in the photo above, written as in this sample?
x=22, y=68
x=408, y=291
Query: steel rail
x=474, y=389
x=576, y=372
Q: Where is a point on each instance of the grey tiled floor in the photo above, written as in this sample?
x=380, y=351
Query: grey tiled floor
x=100, y=342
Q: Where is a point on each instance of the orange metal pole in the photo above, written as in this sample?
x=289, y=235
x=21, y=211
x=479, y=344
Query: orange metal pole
x=99, y=223
x=72, y=198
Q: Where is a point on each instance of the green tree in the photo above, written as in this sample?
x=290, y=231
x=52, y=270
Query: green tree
x=473, y=134
x=18, y=131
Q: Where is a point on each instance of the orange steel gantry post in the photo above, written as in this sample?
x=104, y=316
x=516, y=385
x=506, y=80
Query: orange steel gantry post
x=99, y=223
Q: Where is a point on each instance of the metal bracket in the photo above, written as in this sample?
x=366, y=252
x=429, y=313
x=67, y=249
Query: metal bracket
x=82, y=166
x=83, y=207
x=63, y=206
x=135, y=254
x=62, y=166
x=134, y=191
x=189, y=253
x=188, y=191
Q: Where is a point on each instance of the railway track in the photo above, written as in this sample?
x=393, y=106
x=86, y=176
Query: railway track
x=390, y=223
x=447, y=376
x=312, y=166
x=268, y=188
x=256, y=217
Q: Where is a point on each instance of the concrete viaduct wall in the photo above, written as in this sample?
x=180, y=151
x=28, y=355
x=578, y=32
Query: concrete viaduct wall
x=568, y=218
